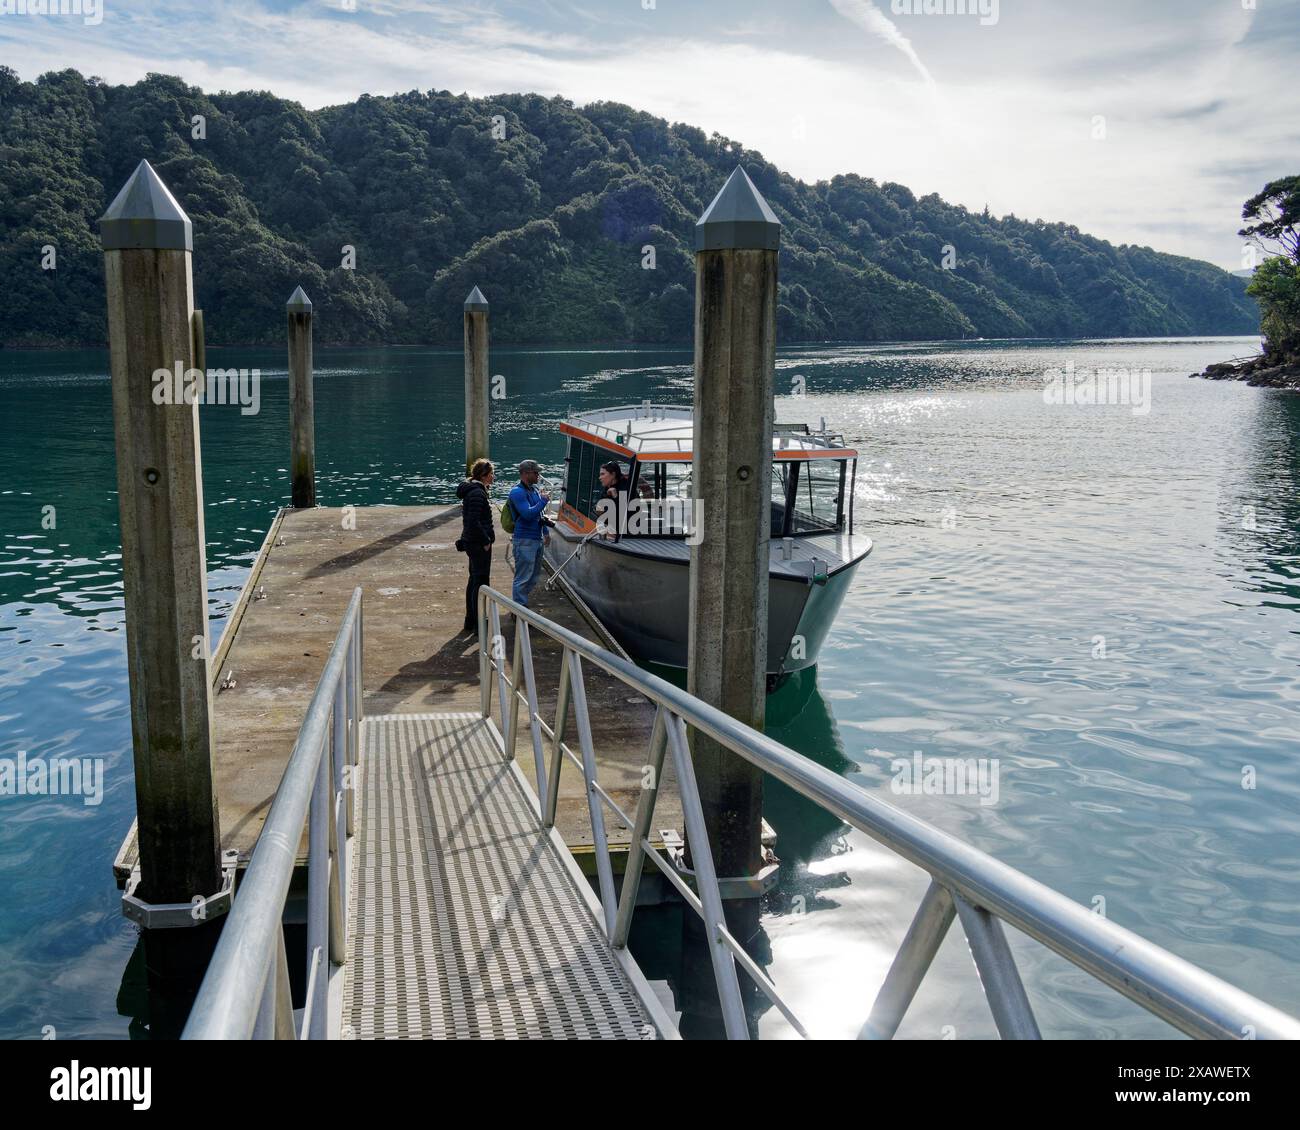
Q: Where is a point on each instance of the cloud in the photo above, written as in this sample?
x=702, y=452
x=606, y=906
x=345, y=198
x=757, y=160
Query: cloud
x=1190, y=112
x=1198, y=115
x=870, y=18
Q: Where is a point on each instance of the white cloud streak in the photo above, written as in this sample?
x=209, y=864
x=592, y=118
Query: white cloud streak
x=1197, y=119
x=871, y=19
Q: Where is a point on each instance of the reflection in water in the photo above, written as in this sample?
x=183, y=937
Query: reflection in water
x=1261, y=518
x=673, y=947
x=798, y=716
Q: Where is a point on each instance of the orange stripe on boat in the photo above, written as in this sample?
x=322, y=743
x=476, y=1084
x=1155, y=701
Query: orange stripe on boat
x=779, y=455
x=576, y=519
x=608, y=445
x=676, y=456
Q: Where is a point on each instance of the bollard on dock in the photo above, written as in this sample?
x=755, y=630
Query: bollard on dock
x=476, y=378
x=737, y=241
x=302, y=418
x=147, y=241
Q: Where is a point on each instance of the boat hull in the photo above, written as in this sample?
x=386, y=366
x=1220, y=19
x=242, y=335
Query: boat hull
x=644, y=599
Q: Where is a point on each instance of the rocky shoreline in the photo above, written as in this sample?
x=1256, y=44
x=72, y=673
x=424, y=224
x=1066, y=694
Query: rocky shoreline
x=1259, y=372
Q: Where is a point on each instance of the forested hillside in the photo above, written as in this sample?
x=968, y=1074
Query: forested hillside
x=550, y=220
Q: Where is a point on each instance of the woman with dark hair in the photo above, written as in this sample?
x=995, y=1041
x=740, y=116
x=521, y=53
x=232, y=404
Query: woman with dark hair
x=612, y=481
x=477, y=534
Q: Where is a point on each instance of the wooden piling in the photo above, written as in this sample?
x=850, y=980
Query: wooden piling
x=476, y=378
x=200, y=342
x=147, y=242
x=737, y=241
x=302, y=417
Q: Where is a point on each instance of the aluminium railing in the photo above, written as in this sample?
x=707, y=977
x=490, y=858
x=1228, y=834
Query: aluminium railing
x=965, y=883
x=245, y=992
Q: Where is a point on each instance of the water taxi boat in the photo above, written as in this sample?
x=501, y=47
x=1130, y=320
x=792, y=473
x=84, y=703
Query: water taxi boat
x=630, y=560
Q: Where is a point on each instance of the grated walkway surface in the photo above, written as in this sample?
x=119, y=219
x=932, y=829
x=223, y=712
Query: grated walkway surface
x=465, y=923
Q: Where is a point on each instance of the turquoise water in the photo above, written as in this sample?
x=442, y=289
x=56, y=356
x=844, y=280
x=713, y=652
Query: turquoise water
x=1103, y=601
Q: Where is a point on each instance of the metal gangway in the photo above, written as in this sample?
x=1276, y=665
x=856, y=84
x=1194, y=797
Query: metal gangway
x=442, y=902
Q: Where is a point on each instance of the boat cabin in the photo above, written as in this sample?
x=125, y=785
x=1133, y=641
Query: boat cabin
x=813, y=473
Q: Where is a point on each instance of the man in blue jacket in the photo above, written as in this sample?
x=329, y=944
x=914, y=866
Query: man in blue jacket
x=529, y=536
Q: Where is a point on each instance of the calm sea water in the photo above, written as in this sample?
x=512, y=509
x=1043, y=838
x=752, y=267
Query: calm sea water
x=1104, y=601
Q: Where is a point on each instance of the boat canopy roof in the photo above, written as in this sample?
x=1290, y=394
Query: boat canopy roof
x=663, y=432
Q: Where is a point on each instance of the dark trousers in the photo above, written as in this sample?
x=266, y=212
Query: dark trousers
x=480, y=574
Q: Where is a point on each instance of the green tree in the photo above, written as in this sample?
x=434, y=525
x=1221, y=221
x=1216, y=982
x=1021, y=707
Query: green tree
x=1274, y=213
x=1277, y=287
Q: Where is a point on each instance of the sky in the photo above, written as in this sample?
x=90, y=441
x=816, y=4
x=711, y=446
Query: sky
x=1140, y=121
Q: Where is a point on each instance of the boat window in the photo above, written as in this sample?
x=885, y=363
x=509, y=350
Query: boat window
x=819, y=496
x=580, y=481
x=664, y=491
x=782, y=480
x=663, y=480
x=582, y=489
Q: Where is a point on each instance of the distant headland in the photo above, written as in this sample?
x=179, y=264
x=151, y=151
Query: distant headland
x=578, y=219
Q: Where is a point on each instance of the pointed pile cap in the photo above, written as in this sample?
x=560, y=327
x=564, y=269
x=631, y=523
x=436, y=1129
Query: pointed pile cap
x=298, y=302
x=145, y=214
x=738, y=217
x=476, y=301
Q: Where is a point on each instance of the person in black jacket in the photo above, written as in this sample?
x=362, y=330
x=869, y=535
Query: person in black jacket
x=477, y=534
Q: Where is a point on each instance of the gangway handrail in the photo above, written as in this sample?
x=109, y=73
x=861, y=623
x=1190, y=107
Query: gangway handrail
x=245, y=992
x=965, y=882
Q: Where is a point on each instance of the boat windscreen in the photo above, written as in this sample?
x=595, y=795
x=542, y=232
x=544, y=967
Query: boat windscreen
x=782, y=482
x=664, y=490
x=807, y=496
x=813, y=493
